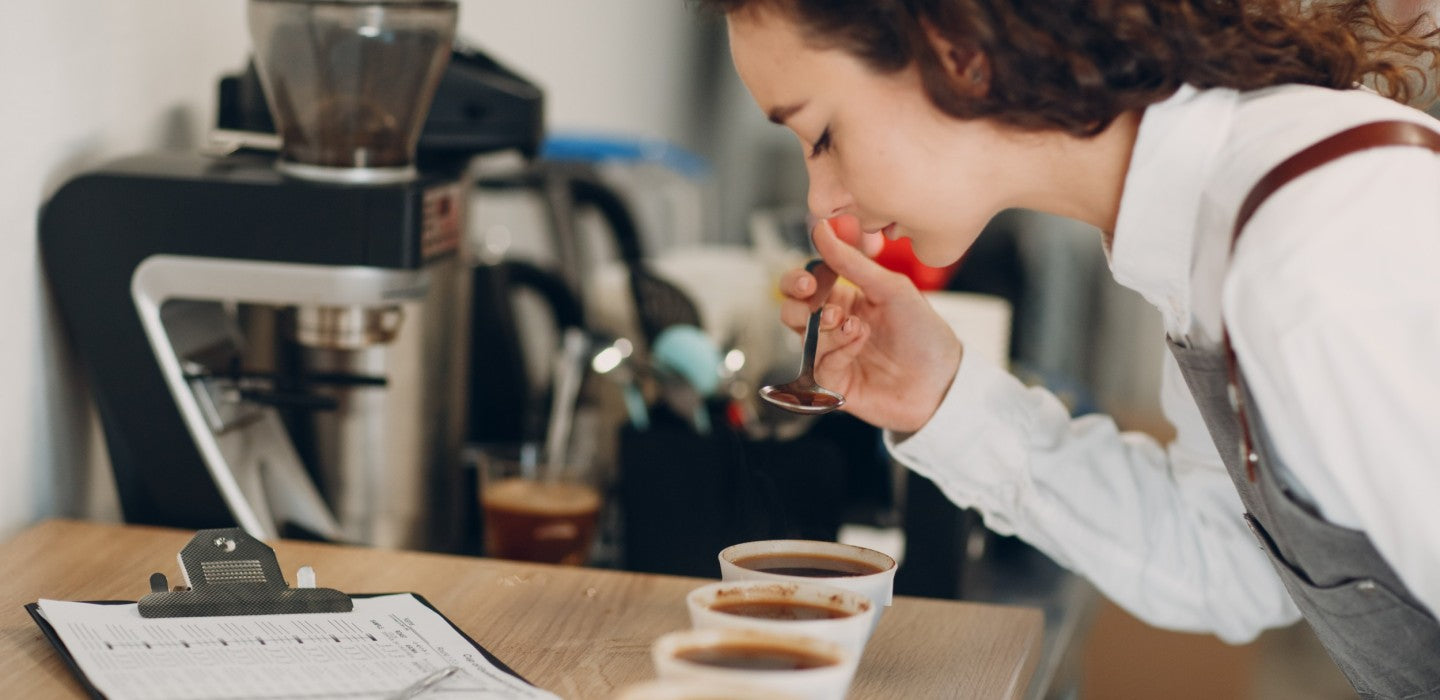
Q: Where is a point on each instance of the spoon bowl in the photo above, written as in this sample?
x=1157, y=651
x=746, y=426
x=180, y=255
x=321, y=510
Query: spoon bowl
x=803, y=394
x=811, y=399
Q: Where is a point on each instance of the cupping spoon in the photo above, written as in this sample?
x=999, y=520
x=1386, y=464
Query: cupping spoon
x=803, y=394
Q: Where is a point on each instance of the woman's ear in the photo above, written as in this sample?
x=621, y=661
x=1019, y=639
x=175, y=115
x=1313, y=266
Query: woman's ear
x=968, y=69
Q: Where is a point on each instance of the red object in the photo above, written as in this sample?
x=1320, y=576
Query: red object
x=897, y=255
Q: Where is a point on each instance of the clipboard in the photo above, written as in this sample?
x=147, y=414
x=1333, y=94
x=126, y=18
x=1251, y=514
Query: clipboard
x=230, y=573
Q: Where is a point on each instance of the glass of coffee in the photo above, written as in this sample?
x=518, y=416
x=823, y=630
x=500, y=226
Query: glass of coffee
x=785, y=664
x=859, y=569
x=535, y=510
x=788, y=607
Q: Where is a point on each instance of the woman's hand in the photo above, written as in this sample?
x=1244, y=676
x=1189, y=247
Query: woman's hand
x=881, y=344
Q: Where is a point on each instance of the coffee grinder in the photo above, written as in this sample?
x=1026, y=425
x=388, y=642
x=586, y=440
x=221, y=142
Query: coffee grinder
x=280, y=342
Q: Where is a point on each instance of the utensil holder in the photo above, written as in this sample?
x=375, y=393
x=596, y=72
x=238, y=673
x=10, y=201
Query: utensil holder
x=685, y=496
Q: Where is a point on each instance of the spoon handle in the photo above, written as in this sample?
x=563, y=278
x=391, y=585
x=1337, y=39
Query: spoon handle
x=824, y=282
x=807, y=357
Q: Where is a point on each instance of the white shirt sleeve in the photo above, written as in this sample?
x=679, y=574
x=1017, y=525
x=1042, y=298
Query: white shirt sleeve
x=1158, y=530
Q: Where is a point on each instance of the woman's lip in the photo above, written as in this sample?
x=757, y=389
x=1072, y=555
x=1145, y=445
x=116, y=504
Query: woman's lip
x=888, y=230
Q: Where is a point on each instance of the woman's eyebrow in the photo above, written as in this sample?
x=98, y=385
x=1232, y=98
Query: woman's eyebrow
x=780, y=114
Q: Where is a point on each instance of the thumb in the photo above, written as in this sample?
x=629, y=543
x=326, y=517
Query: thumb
x=847, y=228
x=848, y=261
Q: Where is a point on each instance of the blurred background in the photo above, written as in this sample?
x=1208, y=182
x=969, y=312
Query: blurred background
x=641, y=94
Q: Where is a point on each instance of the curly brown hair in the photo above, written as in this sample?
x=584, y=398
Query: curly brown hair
x=1078, y=64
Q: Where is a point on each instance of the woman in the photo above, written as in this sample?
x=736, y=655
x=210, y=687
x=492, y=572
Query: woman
x=1152, y=121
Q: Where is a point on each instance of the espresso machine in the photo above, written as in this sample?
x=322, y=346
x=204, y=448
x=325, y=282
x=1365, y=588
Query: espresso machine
x=277, y=339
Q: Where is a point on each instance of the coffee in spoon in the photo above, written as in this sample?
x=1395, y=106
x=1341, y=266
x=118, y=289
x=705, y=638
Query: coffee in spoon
x=803, y=394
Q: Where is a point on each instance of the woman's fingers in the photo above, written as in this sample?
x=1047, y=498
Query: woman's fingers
x=838, y=350
x=835, y=240
x=850, y=262
x=797, y=284
x=796, y=314
x=847, y=228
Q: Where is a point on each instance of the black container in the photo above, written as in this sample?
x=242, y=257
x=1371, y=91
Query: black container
x=685, y=496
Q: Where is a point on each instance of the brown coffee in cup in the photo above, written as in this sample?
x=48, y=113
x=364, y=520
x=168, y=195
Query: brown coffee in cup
x=782, y=664
x=779, y=610
x=809, y=608
x=808, y=565
x=539, y=521
x=755, y=656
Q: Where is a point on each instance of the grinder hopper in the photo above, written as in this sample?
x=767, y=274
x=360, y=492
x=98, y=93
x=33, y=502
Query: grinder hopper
x=349, y=83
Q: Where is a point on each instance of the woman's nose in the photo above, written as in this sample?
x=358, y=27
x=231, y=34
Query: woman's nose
x=827, y=196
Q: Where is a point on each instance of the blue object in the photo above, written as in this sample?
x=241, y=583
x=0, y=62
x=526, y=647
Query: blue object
x=599, y=148
x=636, y=408
x=689, y=352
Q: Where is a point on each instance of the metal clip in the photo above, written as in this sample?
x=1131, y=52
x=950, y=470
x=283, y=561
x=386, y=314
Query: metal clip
x=228, y=572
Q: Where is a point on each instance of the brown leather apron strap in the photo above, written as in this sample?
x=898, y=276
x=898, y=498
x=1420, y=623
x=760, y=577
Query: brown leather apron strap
x=1359, y=138
x=1365, y=136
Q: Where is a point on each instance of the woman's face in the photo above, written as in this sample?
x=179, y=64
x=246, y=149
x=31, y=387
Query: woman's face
x=874, y=145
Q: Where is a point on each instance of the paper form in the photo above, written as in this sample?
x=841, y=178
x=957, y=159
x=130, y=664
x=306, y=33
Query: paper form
x=384, y=645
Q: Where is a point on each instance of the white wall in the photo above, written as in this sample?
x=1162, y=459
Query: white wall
x=615, y=65
x=82, y=81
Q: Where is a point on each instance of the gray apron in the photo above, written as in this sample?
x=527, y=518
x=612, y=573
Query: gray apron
x=1379, y=635
x=1376, y=631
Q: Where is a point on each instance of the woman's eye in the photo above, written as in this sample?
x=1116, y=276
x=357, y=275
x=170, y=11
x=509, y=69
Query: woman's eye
x=822, y=144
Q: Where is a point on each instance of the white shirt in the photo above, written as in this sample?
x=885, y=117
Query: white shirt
x=1333, y=305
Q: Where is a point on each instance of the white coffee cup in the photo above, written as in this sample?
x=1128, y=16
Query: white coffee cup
x=710, y=655
x=695, y=689
x=845, y=617
x=879, y=585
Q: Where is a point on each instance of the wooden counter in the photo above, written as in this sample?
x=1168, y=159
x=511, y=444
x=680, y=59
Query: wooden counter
x=581, y=633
